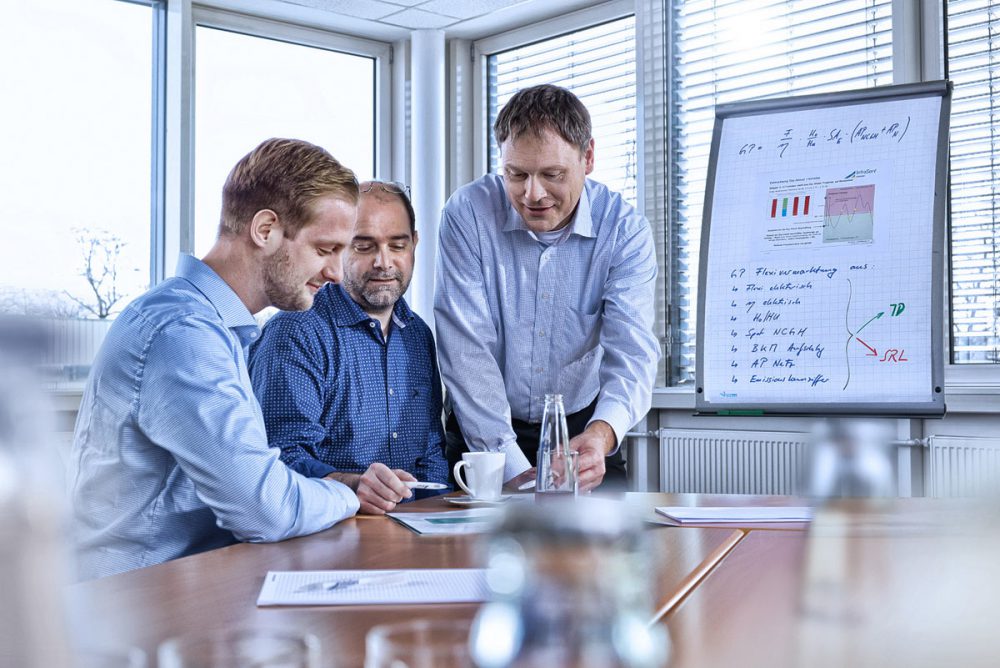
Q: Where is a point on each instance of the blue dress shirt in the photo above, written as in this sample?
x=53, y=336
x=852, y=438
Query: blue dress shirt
x=170, y=455
x=338, y=396
x=518, y=318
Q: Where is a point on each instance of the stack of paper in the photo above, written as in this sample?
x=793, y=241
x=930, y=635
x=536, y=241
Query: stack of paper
x=406, y=586
x=736, y=514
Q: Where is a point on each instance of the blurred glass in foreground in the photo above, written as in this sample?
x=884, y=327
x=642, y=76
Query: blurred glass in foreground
x=569, y=587
x=106, y=657
x=891, y=581
x=850, y=458
x=421, y=643
x=33, y=563
x=240, y=648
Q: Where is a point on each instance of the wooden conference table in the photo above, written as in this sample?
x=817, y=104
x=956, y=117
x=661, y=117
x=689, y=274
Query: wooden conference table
x=729, y=596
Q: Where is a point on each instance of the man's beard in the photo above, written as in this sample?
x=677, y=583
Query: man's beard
x=375, y=297
x=280, y=284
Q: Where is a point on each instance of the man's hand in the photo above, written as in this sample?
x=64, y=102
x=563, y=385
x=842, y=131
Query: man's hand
x=596, y=441
x=379, y=488
x=514, y=483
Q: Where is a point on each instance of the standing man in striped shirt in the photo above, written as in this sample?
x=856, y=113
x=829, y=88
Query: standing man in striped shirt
x=170, y=455
x=545, y=285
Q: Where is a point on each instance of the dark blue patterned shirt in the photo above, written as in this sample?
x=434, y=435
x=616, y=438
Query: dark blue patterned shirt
x=337, y=396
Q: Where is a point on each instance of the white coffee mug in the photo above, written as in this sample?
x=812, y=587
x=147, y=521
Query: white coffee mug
x=485, y=474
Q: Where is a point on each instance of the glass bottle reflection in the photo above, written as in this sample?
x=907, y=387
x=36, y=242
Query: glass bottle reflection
x=569, y=587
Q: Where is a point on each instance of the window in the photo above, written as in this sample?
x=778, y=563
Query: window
x=973, y=49
x=250, y=88
x=598, y=65
x=732, y=50
x=77, y=126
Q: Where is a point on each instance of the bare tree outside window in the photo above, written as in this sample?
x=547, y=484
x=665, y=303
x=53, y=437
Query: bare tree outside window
x=102, y=255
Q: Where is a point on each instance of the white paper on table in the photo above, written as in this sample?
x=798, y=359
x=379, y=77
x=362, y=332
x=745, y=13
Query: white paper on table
x=450, y=522
x=735, y=514
x=402, y=586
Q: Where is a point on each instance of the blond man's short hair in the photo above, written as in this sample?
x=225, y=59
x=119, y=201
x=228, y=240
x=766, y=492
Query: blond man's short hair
x=285, y=176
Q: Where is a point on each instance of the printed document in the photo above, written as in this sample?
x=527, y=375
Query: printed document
x=450, y=523
x=736, y=514
x=369, y=587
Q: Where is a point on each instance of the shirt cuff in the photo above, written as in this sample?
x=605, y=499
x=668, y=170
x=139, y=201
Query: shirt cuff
x=515, y=463
x=616, y=415
x=351, y=503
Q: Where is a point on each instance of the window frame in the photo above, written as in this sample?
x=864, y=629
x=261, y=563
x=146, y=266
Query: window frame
x=483, y=48
x=973, y=388
x=177, y=235
x=918, y=55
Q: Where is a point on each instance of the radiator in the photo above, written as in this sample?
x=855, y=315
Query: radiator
x=962, y=466
x=725, y=462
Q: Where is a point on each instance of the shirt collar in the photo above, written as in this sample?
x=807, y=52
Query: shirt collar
x=233, y=312
x=347, y=313
x=582, y=223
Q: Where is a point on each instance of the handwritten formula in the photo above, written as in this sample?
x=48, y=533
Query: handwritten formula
x=863, y=132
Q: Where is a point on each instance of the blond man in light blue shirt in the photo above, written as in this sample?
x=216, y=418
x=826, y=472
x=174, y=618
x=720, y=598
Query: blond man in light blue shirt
x=170, y=455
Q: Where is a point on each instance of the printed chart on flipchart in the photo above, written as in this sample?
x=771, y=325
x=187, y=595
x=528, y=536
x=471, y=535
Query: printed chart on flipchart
x=819, y=263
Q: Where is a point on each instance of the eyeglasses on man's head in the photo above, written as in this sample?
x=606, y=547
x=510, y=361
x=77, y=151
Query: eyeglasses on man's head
x=394, y=187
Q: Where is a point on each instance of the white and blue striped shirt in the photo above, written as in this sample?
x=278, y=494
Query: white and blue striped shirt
x=170, y=453
x=518, y=318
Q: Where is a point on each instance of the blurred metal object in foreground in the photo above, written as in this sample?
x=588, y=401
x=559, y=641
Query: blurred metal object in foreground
x=569, y=587
x=33, y=565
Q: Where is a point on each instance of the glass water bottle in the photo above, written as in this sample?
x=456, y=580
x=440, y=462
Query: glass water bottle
x=570, y=587
x=557, y=464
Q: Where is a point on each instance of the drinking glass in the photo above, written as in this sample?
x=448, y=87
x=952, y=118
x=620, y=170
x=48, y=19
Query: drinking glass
x=241, y=648
x=557, y=472
x=108, y=657
x=420, y=643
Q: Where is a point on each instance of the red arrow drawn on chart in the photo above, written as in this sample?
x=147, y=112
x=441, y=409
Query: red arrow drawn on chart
x=873, y=351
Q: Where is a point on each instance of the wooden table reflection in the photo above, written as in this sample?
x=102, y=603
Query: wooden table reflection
x=218, y=589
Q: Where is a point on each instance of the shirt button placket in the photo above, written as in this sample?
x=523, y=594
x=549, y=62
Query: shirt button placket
x=542, y=343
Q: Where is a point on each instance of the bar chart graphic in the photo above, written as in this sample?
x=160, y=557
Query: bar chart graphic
x=790, y=206
x=848, y=213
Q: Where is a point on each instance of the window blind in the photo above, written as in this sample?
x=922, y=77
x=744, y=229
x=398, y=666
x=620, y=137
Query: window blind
x=732, y=50
x=596, y=63
x=973, y=43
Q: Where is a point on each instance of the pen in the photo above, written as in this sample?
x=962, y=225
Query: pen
x=360, y=581
x=420, y=484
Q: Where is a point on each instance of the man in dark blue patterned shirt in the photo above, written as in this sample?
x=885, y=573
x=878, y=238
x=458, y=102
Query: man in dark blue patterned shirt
x=350, y=389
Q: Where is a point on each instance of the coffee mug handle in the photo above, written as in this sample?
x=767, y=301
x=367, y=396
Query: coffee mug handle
x=458, y=476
